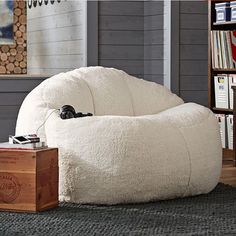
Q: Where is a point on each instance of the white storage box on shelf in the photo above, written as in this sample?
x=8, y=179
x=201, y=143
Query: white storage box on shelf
x=223, y=12
x=233, y=10
x=221, y=91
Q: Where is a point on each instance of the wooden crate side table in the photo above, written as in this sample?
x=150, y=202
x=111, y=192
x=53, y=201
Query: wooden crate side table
x=28, y=179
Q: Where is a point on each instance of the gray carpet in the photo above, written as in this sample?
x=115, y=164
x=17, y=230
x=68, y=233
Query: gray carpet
x=211, y=214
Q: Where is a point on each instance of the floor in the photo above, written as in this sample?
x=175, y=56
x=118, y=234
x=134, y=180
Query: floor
x=206, y=214
x=228, y=175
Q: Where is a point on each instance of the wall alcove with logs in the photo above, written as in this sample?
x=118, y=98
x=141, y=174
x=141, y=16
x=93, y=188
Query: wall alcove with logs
x=13, y=57
x=47, y=37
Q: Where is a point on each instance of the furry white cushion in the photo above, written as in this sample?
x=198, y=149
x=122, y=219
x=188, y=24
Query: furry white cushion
x=99, y=90
x=143, y=144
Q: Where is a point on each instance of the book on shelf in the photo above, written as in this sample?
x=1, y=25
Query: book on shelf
x=222, y=126
x=220, y=49
x=232, y=82
x=229, y=48
x=230, y=134
x=223, y=49
x=28, y=146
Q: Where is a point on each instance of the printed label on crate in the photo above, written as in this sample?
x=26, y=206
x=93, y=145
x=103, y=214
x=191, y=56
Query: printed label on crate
x=10, y=187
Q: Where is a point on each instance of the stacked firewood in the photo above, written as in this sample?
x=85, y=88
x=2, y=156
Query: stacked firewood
x=13, y=57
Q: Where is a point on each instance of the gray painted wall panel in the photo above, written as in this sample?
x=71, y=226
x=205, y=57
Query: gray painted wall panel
x=120, y=22
x=193, y=36
x=131, y=37
x=193, y=51
x=12, y=98
x=12, y=93
x=121, y=52
x=189, y=7
x=198, y=67
x=157, y=78
x=153, y=67
x=153, y=52
x=174, y=34
x=200, y=97
x=9, y=111
x=154, y=41
x=193, y=83
x=153, y=37
x=153, y=8
x=16, y=85
x=92, y=33
x=121, y=37
x=193, y=21
x=153, y=22
x=121, y=8
x=7, y=127
x=133, y=67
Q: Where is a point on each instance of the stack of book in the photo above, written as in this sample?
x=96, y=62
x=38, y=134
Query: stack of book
x=223, y=45
x=226, y=130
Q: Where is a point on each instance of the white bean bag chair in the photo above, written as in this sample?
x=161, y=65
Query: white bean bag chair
x=142, y=144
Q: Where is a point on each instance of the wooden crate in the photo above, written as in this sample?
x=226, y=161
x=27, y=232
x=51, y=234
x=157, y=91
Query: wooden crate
x=28, y=179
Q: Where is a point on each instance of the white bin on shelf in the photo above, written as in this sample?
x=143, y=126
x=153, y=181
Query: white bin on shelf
x=230, y=132
x=221, y=91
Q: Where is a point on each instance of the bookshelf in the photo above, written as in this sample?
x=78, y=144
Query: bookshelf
x=222, y=110
x=225, y=23
x=229, y=170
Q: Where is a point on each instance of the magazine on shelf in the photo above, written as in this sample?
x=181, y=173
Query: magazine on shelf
x=232, y=82
x=222, y=125
x=230, y=134
x=223, y=49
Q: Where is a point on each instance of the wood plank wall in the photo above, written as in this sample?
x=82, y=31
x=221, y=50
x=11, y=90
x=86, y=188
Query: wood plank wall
x=154, y=41
x=57, y=38
x=193, y=51
x=131, y=37
x=13, y=90
x=121, y=36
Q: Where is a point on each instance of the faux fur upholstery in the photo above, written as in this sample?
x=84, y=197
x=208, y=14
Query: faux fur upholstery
x=142, y=144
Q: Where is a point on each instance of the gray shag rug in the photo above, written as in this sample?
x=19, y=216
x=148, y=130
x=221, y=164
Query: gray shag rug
x=211, y=214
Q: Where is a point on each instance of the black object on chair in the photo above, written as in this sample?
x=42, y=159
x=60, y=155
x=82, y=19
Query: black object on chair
x=68, y=112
